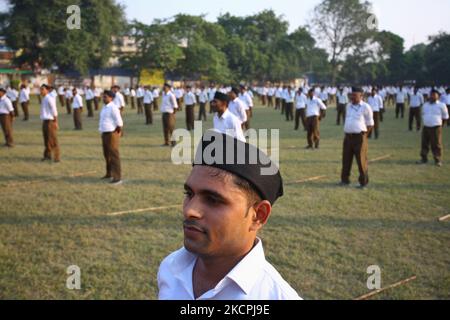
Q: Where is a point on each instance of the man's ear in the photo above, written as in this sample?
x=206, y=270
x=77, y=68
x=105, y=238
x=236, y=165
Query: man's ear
x=261, y=214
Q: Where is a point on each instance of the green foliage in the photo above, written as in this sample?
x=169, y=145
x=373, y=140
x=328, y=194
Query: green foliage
x=39, y=29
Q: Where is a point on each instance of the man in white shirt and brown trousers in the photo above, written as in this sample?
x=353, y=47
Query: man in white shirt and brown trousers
x=49, y=117
x=435, y=115
x=24, y=99
x=315, y=111
x=169, y=107
x=6, y=118
x=111, y=126
x=224, y=120
x=77, y=108
x=227, y=203
x=358, y=124
x=416, y=101
x=190, y=100
x=375, y=101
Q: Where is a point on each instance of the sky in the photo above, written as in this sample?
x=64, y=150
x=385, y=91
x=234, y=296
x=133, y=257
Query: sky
x=414, y=20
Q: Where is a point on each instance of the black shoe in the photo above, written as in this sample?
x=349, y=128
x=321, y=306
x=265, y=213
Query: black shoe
x=45, y=159
x=421, y=162
x=439, y=164
x=361, y=187
x=343, y=184
x=308, y=148
x=106, y=177
x=116, y=182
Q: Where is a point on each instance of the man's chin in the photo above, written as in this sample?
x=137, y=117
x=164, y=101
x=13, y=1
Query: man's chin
x=194, y=247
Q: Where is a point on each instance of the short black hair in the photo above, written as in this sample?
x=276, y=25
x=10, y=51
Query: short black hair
x=45, y=86
x=109, y=93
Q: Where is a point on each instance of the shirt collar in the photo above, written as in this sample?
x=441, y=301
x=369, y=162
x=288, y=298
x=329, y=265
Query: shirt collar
x=246, y=273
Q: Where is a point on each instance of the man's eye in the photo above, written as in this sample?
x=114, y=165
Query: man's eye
x=213, y=200
x=188, y=194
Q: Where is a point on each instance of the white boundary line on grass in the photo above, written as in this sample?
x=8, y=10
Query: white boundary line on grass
x=444, y=218
x=381, y=158
x=74, y=175
x=120, y=213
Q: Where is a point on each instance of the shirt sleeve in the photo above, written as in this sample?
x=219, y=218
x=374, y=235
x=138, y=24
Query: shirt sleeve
x=52, y=105
x=368, y=117
x=117, y=117
x=174, y=101
x=322, y=105
x=445, y=115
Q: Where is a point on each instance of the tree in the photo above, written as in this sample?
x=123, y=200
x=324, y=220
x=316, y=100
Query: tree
x=45, y=41
x=437, y=59
x=341, y=26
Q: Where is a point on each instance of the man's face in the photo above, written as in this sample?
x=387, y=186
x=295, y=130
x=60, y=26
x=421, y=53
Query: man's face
x=219, y=106
x=44, y=91
x=215, y=211
x=2, y=94
x=434, y=97
x=106, y=99
x=356, y=97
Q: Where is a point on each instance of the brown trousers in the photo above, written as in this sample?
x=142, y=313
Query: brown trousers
x=68, y=107
x=270, y=101
x=247, y=124
x=140, y=104
x=90, y=110
x=432, y=136
x=155, y=104
x=190, y=118
x=289, y=111
x=133, y=104
x=300, y=115
x=355, y=145
x=16, y=108
x=376, y=126
x=341, y=113
x=61, y=100
x=168, y=120
x=313, y=131
x=25, y=109
x=6, y=123
x=77, y=119
x=110, y=142
x=148, y=113
x=50, y=140
x=400, y=110
x=202, y=112
x=96, y=103
x=415, y=113
x=277, y=103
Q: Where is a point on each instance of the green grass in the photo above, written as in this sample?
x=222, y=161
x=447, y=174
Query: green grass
x=321, y=238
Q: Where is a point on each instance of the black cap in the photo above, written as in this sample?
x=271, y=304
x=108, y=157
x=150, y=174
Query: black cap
x=244, y=160
x=3, y=90
x=235, y=90
x=168, y=85
x=109, y=93
x=221, y=96
x=357, y=89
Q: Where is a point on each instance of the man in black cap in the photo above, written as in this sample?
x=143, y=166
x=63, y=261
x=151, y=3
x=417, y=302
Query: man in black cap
x=169, y=107
x=226, y=205
x=6, y=118
x=224, y=120
x=359, y=123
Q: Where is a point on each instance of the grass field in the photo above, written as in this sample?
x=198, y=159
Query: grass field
x=321, y=238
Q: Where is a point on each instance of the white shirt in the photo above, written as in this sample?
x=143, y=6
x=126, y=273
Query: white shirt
x=98, y=92
x=24, y=96
x=401, y=96
x=203, y=96
x=48, y=108
x=434, y=113
x=148, y=97
x=126, y=91
x=290, y=96
x=313, y=107
x=342, y=98
x=447, y=99
x=110, y=118
x=301, y=101
x=358, y=118
x=323, y=96
x=254, y=278
x=169, y=103
x=61, y=91
x=140, y=92
x=229, y=124
x=189, y=98
x=155, y=93
x=69, y=94
x=6, y=106
x=416, y=100
x=247, y=99
x=211, y=93
x=77, y=102
x=375, y=102
x=119, y=100
x=90, y=94
x=13, y=94
x=237, y=107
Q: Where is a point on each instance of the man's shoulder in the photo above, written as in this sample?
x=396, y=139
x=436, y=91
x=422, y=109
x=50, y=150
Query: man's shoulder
x=176, y=261
x=277, y=286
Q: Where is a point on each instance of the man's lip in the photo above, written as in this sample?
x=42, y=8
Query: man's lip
x=193, y=228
